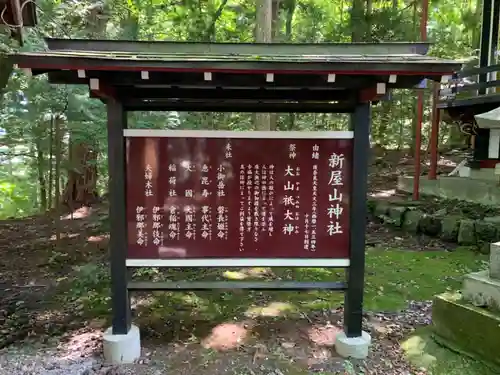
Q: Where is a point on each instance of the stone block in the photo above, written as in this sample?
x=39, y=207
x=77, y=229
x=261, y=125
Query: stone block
x=485, y=231
x=353, y=347
x=495, y=261
x=466, y=232
x=452, y=187
x=495, y=220
x=484, y=248
x=371, y=204
x=381, y=209
x=412, y=221
x=481, y=290
x=397, y=215
x=449, y=228
x=467, y=328
x=430, y=225
x=122, y=349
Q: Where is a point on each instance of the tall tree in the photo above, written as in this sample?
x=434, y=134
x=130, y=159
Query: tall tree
x=263, y=34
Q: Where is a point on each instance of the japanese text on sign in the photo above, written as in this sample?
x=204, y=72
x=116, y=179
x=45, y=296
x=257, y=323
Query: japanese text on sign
x=214, y=196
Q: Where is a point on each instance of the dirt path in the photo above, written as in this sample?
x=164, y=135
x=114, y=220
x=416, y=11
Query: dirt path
x=33, y=266
x=239, y=347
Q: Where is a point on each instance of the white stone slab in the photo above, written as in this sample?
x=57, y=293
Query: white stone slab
x=489, y=120
x=353, y=347
x=495, y=260
x=122, y=349
x=480, y=290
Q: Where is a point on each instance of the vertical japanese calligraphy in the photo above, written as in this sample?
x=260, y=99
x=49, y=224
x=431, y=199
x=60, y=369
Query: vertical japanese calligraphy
x=157, y=226
x=172, y=180
x=140, y=224
x=264, y=198
x=205, y=182
x=215, y=196
x=249, y=202
x=190, y=221
x=229, y=150
x=335, y=180
x=270, y=219
x=242, y=208
x=173, y=223
x=310, y=238
x=256, y=202
x=148, y=176
x=291, y=199
x=222, y=218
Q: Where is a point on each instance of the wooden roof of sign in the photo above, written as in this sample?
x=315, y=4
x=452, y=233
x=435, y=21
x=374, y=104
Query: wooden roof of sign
x=236, y=77
x=16, y=14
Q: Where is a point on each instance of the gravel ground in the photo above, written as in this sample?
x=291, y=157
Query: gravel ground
x=14, y=362
x=81, y=355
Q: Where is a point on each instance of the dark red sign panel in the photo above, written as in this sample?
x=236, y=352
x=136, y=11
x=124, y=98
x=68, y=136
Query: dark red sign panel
x=233, y=195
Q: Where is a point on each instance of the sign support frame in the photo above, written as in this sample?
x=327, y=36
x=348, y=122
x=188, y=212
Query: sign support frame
x=353, y=299
x=121, y=285
x=120, y=301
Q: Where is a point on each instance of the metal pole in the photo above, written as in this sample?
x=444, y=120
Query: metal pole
x=489, y=36
x=117, y=122
x=353, y=311
x=418, y=144
x=434, y=139
x=420, y=108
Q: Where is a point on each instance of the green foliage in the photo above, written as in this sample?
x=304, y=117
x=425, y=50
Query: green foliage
x=30, y=105
x=424, y=352
x=418, y=276
x=89, y=290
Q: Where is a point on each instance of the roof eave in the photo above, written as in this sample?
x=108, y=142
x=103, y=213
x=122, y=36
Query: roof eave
x=420, y=48
x=49, y=63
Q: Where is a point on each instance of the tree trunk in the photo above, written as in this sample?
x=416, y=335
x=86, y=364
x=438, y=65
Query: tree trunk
x=42, y=183
x=81, y=187
x=368, y=21
x=57, y=172
x=290, y=10
x=6, y=67
x=263, y=34
x=50, y=193
x=275, y=20
x=357, y=21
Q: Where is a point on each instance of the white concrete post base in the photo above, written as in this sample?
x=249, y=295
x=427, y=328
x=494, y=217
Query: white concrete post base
x=122, y=348
x=353, y=347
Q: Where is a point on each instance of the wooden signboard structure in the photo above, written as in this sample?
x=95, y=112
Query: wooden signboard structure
x=219, y=198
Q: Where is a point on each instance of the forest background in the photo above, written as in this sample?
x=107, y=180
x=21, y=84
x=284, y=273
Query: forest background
x=53, y=138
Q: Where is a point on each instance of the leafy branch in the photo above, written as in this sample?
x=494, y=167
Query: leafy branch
x=210, y=33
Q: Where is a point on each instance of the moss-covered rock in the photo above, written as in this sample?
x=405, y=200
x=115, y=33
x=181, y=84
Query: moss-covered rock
x=381, y=209
x=495, y=222
x=449, y=228
x=484, y=247
x=486, y=231
x=430, y=225
x=411, y=221
x=371, y=204
x=471, y=329
x=466, y=232
x=397, y=215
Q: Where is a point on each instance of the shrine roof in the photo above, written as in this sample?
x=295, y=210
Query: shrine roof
x=468, y=94
x=147, y=75
x=381, y=57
